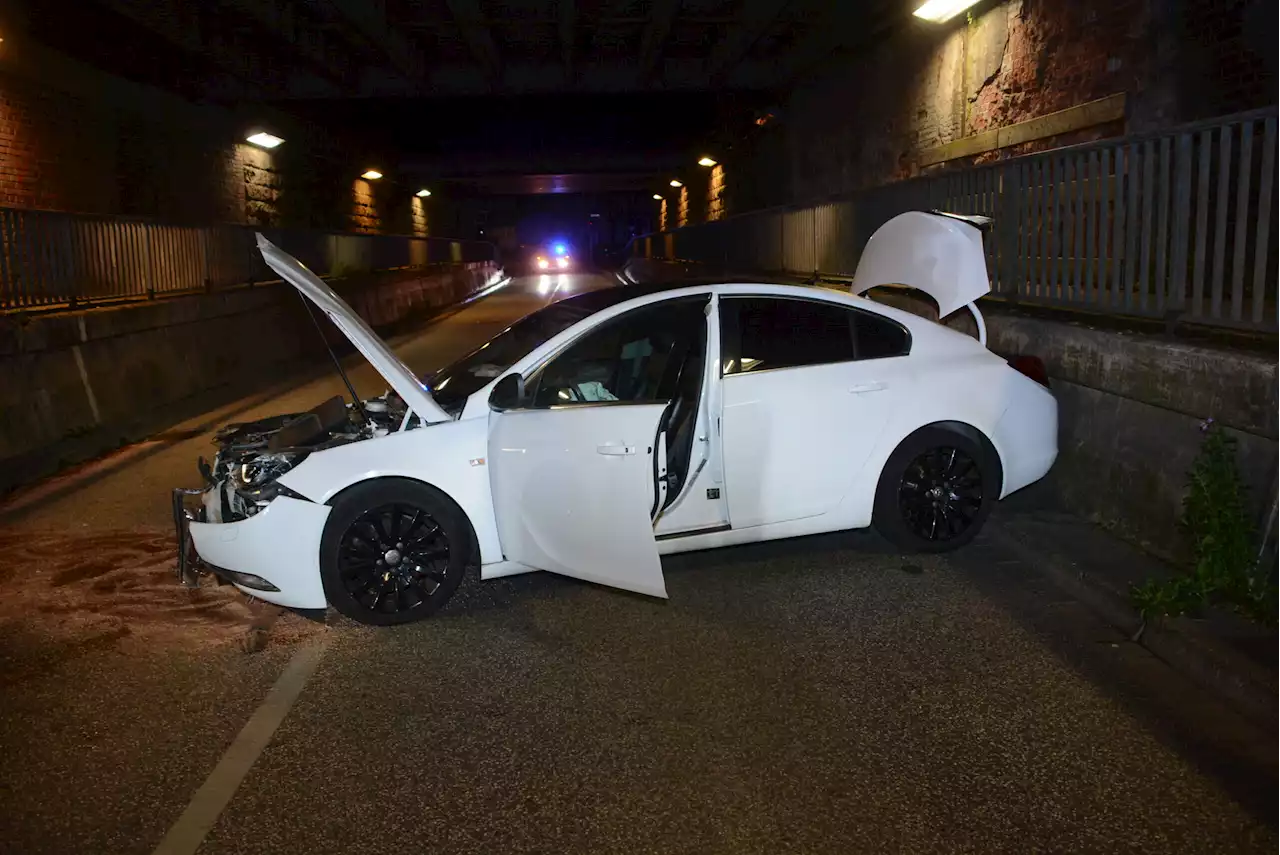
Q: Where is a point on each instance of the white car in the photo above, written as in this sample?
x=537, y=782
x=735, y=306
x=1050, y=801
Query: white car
x=622, y=424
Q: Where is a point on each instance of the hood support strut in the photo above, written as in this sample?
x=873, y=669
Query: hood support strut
x=337, y=363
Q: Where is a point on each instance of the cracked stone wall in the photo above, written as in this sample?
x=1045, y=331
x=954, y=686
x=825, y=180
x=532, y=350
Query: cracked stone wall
x=866, y=119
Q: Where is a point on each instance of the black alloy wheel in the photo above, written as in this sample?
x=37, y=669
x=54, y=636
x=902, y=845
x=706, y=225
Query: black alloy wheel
x=940, y=494
x=393, y=551
x=393, y=557
x=937, y=489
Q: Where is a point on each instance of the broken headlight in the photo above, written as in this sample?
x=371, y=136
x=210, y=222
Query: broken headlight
x=255, y=484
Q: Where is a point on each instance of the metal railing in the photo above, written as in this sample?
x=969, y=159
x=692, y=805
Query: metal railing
x=50, y=259
x=1176, y=225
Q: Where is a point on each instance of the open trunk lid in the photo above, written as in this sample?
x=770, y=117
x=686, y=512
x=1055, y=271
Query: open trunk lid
x=940, y=254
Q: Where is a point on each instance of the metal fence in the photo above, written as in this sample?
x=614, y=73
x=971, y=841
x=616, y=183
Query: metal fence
x=1176, y=225
x=52, y=259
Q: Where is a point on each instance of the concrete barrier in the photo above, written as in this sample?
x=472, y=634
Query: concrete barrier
x=75, y=384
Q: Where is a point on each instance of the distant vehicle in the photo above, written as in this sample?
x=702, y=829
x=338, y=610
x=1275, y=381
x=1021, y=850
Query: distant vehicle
x=621, y=424
x=555, y=259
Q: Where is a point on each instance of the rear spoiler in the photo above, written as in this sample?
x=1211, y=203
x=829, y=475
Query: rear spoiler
x=979, y=222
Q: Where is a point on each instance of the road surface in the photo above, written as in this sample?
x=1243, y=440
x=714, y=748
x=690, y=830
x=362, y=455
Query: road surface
x=821, y=695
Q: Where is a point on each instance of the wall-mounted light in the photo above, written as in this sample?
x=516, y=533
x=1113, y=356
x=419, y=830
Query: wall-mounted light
x=423, y=193
x=706, y=161
x=371, y=174
x=657, y=197
x=676, y=182
x=939, y=11
x=264, y=139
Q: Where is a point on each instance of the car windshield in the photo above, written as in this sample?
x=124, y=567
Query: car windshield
x=452, y=385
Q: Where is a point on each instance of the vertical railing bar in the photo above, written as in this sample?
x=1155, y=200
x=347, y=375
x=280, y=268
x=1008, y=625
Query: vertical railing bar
x=1020, y=214
x=1132, y=223
x=1092, y=231
x=1070, y=227
x=1181, y=224
x=1076, y=217
x=1039, y=275
x=72, y=260
x=1162, y=226
x=1261, y=258
x=6, y=278
x=1102, y=214
x=1114, y=299
x=1218, y=282
x=1084, y=240
x=1148, y=214
x=1241, y=229
x=1059, y=237
x=1202, y=224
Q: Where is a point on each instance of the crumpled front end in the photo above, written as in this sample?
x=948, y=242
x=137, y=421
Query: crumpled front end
x=244, y=526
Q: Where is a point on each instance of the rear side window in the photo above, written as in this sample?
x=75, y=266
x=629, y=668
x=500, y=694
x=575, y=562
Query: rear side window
x=762, y=333
x=876, y=337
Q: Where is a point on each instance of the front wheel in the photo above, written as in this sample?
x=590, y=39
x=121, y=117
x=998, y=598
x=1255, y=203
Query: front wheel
x=936, y=491
x=393, y=551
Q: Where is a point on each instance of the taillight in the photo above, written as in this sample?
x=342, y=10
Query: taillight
x=1033, y=367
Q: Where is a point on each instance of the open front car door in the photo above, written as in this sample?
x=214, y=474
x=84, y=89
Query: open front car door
x=578, y=452
x=573, y=489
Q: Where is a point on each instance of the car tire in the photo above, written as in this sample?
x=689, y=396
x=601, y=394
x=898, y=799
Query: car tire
x=393, y=551
x=937, y=489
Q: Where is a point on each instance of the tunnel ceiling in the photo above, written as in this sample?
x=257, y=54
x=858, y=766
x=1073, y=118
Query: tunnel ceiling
x=324, y=49
x=465, y=87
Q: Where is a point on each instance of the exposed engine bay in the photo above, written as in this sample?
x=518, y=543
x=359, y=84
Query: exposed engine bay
x=251, y=456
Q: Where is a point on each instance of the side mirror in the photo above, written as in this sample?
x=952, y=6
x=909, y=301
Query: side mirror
x=508, y=393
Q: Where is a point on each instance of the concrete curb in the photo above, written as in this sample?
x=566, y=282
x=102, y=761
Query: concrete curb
x=1232, y=677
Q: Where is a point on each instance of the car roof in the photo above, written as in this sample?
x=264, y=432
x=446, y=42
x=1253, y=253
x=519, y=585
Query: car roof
x=927, y=333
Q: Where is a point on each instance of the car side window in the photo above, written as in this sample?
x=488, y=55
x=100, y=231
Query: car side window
x=762, y=333
x=631, y=359
x=876, y=337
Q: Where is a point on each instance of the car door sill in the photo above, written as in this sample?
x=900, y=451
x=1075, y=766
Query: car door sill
x=691, y=532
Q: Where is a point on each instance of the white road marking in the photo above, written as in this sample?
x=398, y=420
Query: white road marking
x=186, y=835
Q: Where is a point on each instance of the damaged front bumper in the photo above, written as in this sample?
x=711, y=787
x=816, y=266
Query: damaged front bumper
x=273, y=555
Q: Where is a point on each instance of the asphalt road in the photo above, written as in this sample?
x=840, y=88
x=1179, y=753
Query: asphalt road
x=822, y=695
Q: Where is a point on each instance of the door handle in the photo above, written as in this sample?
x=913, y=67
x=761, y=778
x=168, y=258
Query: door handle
x=863, y=388
x=615, y=450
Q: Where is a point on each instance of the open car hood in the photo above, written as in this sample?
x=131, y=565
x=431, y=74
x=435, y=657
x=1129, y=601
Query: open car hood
x=940, y=254
x=398, y=376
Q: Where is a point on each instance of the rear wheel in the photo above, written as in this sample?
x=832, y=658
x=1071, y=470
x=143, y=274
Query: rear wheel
x=393, y=551
x=936, y=490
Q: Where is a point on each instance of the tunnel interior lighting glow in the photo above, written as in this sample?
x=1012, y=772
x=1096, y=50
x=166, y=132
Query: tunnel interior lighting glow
x=657, y=197
x=676, y=182
x=423, y=193
x=939, y=11
x=264, y=139
x=371, y=174
x=706, y=161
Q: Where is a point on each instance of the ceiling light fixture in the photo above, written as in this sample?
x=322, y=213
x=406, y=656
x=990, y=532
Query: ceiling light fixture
x=423, y=193
x=940, y=11
x=371, y=174
x=264, y=139
x=706, y=161
x=676, y=182
x=657, y=197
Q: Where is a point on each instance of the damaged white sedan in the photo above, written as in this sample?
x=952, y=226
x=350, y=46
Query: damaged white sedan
x=610, y=428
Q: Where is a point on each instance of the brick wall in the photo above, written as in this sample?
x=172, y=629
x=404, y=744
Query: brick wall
x=75, y=139
x=866, y=120
x=56, y=151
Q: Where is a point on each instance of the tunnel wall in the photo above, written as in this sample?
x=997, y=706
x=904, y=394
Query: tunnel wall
x=889, y=111
x=76, y=139
x=75, y=384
